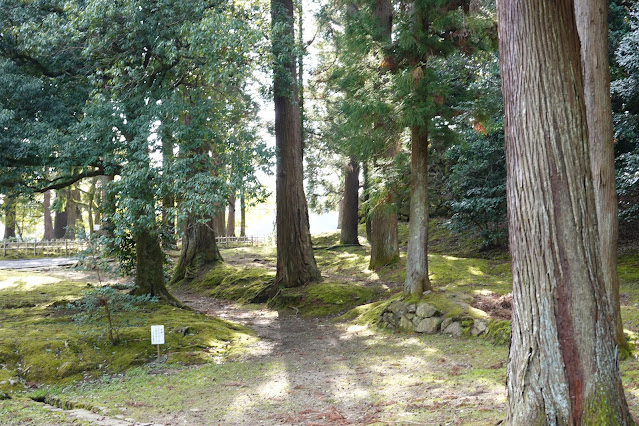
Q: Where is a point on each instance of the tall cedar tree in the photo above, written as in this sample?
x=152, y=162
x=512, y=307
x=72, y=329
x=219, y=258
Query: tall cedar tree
x=562, y=366
x=295, y=261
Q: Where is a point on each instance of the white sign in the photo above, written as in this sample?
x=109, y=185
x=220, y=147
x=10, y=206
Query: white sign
x=157, y=334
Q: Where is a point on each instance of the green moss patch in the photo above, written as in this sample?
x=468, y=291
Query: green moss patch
x=225, y=281
x=41, y=344
x=325, y=298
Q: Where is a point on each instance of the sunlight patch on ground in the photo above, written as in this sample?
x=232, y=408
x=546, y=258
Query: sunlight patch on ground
x=473, y=270
x=29, y=282
x=483, y=292
x=451, y=257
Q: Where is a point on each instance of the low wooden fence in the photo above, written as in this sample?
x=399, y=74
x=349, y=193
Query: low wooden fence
x=46, y=248
x=252, y=240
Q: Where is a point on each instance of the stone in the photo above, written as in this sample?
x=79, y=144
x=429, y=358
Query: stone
x=425, y=310
x=394, y=306
x=183, y=331
x=445, y=323
x=406, y=324
x=478, y=328
x=411, y=308
x=410, y=316
x=429, y=325
x=454, y=328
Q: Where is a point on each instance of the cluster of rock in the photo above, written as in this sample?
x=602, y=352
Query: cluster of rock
x=425, y=318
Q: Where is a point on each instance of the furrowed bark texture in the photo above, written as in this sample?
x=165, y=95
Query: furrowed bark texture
x=592, y=26
x=562, y=366
x=417, y=252
x=295, y=261
x=219, y=223
x=242, y=215
x=9, y=217
x=199, y=250
x=384, y=246
x=350, y=210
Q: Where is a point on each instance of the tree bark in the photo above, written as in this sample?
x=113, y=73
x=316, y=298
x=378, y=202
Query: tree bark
x=242, y=215
x=417, y=252
x=365, y=198
x=350, y=210
x=199, y=251
x=9, y=217
x=295, y=260
x=46, y=211
x=73, y=213
x=59, y=224
x=169, y=238
x=149, y=273
x=562, y=366
x=384, y=245
x=230, y=225
x=592, y=25
x=219, y=223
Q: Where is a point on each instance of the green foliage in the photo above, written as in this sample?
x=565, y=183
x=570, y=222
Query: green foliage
x=477, y=185
x=104, y=305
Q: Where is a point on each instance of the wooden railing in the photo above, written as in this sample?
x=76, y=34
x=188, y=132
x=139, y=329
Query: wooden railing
x=46, y=248
x=252, y=240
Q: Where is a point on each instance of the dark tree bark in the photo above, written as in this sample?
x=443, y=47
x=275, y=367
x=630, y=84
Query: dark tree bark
x=562, y=366
x=350, y=210
x=59, y=224
x=46, y=211
x=592, y=25
x=199, y=251
x=9, y=217
x=365, y=198
x=242, y=215
x=295, y=261
x=230, y=224
x=417, y=252
x=149, y=273
x=384, y=246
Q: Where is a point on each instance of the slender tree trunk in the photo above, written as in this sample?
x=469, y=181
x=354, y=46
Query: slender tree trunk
x=295, y=261
x=107, y=207
x=417, y=252
x=149, y=273
x=46, y=210
x=242, y=215
x=199, y=251
x=350, y=210
x=230, y=225
x=91, y=197
x=592, y=25
x=9, y=217
x=562, y=366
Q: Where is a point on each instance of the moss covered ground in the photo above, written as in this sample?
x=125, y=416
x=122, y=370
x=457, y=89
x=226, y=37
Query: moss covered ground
x=40, y=344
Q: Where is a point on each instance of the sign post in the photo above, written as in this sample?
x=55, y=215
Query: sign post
x=157, y=337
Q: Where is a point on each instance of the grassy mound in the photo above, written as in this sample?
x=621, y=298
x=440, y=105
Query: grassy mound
x=40, y=344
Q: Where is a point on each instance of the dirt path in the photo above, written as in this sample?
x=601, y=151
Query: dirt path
x=40, y=264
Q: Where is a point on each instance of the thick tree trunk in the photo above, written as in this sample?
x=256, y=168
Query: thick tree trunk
x=73, y=213
x=350, y=211
x=242, y=215
x=149, y=273
x=199, y=251
x=219, y=223
x=365, y=198
x=230, y=224
x=46, y=211
x=417, y=252
x=384, y=246
x=562, y=366
x=59, y=224
x=295, y=261
x=592, y=25
x=9, y=217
